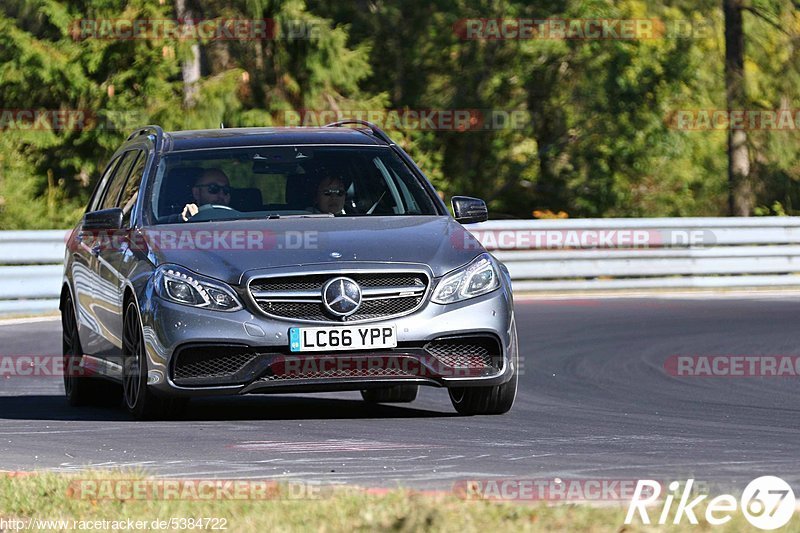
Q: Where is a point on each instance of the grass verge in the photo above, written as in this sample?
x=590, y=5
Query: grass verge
x=50, y=496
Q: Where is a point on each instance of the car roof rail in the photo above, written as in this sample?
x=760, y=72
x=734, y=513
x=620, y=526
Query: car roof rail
x=147, y=130
x=376, y=131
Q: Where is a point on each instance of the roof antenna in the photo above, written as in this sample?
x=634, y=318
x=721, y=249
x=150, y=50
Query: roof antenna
x=221, y=126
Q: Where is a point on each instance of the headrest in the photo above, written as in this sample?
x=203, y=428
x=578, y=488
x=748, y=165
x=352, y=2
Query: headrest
x=299, y=191
x=247, y=199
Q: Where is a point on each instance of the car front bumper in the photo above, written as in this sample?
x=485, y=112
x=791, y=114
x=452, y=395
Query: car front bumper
x=170, y=329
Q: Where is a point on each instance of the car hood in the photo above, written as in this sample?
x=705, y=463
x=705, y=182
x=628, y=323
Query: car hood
x=225, y=250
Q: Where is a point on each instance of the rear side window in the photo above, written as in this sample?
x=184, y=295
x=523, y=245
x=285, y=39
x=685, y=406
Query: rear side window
x=118, y=180
x=130, y=193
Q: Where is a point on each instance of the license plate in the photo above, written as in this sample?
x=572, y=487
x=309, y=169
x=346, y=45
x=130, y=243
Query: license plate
x=338, y=338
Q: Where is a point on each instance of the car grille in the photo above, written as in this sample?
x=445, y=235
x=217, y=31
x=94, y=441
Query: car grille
x=466, y=352
x=299, y=297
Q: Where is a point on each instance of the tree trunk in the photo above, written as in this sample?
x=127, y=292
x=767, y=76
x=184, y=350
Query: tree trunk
x=190, y=68
x=741, y=195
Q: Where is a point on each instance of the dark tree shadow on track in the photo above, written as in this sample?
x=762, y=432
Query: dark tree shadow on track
x=218, y=409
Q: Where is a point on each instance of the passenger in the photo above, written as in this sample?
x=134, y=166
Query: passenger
x=330, y=196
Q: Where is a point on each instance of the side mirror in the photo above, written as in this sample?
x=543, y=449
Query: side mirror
x=105, y=219
x=469, y=210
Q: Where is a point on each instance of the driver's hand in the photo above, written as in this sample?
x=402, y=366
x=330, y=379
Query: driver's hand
x=189, y=211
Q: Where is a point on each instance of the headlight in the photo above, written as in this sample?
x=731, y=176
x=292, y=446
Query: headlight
x=185, y=287
x=478, y=277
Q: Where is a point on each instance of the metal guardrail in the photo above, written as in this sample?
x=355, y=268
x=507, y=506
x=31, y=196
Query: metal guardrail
x=630, y=254
x=30, y=270
x=542, y=255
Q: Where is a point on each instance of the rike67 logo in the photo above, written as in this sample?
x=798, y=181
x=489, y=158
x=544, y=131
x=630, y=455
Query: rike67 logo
x=767, y=503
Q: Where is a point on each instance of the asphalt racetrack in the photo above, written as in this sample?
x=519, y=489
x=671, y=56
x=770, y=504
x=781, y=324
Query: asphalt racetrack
x=594, y=402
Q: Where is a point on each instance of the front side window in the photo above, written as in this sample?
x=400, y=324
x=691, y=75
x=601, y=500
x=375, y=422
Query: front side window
x=130, y=193
x=118, y=179
x=102, y=186
x=284, y=181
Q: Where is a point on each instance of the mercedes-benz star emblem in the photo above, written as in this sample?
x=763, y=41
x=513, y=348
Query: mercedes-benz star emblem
x=341, y=296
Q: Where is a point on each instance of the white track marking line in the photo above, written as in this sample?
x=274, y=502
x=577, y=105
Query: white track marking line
x=28, y=320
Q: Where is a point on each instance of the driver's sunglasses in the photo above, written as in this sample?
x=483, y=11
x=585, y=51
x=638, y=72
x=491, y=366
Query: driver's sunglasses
x=333, y=192
x=213, y=188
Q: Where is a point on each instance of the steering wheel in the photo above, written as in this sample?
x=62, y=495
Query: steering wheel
x=207, y=207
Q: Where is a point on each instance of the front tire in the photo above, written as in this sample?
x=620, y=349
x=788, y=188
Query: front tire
x=139, y=399
x=396, y=394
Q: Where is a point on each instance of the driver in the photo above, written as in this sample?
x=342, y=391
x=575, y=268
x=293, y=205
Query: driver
x=212, y=187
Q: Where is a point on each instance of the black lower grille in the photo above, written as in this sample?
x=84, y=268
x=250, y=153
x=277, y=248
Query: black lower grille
x=215, y=363
x=466, y=352
x=341, y=373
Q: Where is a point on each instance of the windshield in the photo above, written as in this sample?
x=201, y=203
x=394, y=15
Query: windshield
x=283, y=181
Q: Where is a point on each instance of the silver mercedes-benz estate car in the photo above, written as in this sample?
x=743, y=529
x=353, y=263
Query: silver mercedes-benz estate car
x=273, y=260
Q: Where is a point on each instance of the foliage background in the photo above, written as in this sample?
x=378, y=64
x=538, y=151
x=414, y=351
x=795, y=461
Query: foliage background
x=598, y=142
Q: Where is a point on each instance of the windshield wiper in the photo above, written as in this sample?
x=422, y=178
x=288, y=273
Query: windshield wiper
x=199, y=220
x=309, y=215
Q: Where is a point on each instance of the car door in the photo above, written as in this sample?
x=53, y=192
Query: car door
x=115, y=261
x=82, y=265
x=107, y=299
